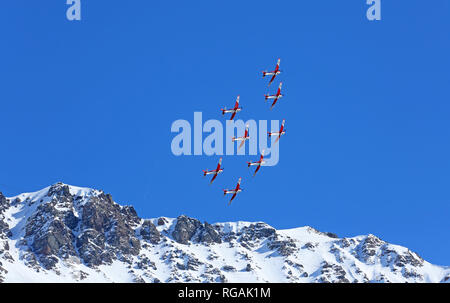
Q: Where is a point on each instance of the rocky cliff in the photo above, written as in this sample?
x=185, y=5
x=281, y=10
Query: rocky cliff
x=69, y=234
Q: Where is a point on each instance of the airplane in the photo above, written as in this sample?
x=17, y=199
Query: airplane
x=235, y=191
x=277, y=96
x=243, y=139
x=233, y=111
x=214, y=172
x=257, y=163
x=279, y=133
x=274, y=73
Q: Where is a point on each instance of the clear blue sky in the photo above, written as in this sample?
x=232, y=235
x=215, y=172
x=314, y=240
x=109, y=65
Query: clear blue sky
x=367, y=109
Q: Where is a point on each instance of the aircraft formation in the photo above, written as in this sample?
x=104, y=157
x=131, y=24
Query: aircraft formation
x=233, y=111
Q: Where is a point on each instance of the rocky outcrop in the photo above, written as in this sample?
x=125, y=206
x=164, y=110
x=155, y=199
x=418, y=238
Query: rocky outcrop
x=332, y=273
x=104, y=230
x=81, y=233
x=47, y=230
x=208, y=234
x=257, y=231
x=50, y=240
x=189, y=229
x=91, y=246
x=372, y=250
x=3, y=272
x=149, y=232
x=4, y=203
x=368, y=248
x=5, y=233
x=284, y=247
x=4, y=228
x=331, y=235
x=408, y=258
x=185, y=229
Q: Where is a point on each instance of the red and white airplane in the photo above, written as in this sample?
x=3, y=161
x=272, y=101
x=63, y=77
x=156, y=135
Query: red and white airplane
x=235, y=191
x=233, y=111
x=279, y=133
x=214, y=172
x=277, y=96
x=243, y=139
x=257, y=163
x=274, y=73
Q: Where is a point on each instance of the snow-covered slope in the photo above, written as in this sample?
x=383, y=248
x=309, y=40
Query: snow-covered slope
x=65, y=233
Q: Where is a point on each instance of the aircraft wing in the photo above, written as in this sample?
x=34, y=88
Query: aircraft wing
x=278, y=138
x=256, y=170
x=232, y=198
x=242, y=143
x=271, y=80
x=213, y=178
x=274, y=101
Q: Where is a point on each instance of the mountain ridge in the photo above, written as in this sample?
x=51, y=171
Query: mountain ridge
x=65, y=233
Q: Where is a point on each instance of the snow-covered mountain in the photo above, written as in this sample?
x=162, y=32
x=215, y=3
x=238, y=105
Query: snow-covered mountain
x=65, y=233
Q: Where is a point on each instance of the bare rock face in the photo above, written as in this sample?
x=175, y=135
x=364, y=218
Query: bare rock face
x=446, y=279
x=368, y=248
x=46, y=231
x=4, y=228
x=257, y=231
x=189, y=229
x=5, y=233
x=105, y=226
x=284, y=247
x=49, y=237
x=185, y=229
x=332, y=273
x=70, y=230
x=149, y=232
x=208, y=234
x=2, y=273
x=409, y=258
x=331, y=235
x=4, y=204
x=372, y=249
x=104, y=229
x=59, y=189
x=130, y=215
x=91, y=246
x=161, y=221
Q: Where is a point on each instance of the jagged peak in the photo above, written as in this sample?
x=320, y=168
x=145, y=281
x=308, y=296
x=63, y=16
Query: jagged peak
x=62, y=188
x=101, y=233
x=58, y=188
